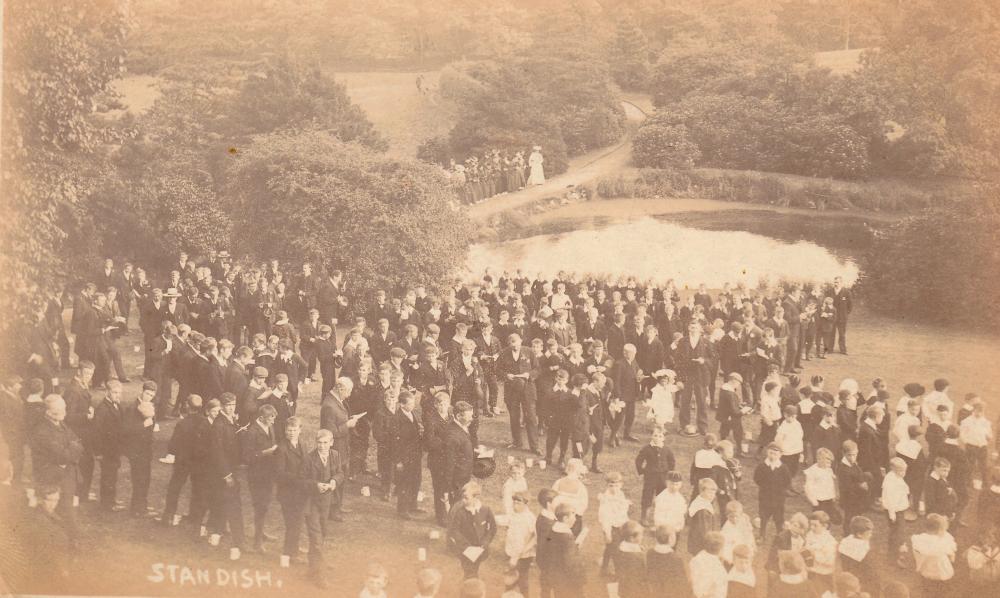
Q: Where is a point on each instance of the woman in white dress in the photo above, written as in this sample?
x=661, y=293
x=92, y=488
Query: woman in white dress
x=537, y=176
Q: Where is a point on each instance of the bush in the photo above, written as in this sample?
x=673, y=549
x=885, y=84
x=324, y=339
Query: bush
x=940, y=264
x=749, y=133
x=664, y=146
x=435, y=150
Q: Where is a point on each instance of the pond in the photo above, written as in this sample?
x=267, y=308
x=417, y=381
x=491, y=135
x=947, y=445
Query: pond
x=693, y=248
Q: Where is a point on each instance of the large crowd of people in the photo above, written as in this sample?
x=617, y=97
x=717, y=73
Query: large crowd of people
x=577, y=365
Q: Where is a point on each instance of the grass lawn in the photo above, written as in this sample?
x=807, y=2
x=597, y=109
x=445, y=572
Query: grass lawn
x=118, y=553
x=398, y=111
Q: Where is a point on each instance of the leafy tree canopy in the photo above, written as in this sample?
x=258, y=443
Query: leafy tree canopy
x=310, y=196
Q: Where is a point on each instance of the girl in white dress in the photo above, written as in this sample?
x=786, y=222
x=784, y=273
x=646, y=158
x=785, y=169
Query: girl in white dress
x=537, y=176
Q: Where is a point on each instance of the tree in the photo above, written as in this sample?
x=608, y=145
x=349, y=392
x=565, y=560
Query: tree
x=629, y=54
x=385, y=222
x=285, y=95
x=940, y=265
x=59, y=60
x=664, y=146
x=937, y=65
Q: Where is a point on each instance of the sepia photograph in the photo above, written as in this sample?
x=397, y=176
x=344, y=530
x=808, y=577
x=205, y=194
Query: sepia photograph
x=500, y=299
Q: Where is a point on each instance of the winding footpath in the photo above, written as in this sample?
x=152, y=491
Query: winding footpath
x=582, y=169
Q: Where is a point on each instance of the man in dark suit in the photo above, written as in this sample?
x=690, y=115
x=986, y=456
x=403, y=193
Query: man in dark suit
x=258, y=446
x=616, y=337
x=335, y=417
x=158, y=368
x=183, y=359
x=436, y=419
x=174, y=311
x=294, y=487
x=843, y=304
x=236, y=378
x=224, y=459
x=324, y=470
x=208, y=370
x=292, y=365
x=458, y=452
x=79, y=416
x=150, y=322
x=625, y=379
x=381, y=341
x=137, y=447
x=182, y=446
x=55, y=452
x=203, y=479
x=793, y=315
x=514, y=368
x=408, y=454
x=108, y=422
x=106, y=276
x=694, y=354
x=330, y=358
x=304, y=292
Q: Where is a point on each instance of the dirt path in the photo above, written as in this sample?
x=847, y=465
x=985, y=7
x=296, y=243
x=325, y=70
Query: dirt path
x=581, y=170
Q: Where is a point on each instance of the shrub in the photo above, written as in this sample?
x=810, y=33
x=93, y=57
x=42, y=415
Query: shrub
x=664, y=146
x=939, y=265
x=435, y=150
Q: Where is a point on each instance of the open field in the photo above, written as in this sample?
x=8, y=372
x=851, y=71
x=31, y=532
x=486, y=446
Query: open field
x=120, y=552
x=398, y=111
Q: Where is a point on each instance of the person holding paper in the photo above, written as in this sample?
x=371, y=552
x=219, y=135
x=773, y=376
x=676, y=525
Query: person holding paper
x=471, y=529
x=334, y=416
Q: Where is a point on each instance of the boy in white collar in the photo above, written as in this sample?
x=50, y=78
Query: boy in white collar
x=821, y=547
x=428, y=583
x=738, y=531
x=520, y=545
x=630, y=563
x=976, y=433
x=670, y=506
x=742, y=579
x=612, y=514
x=895, y=501
x=512, y=485
x=702, y=515
x=821, y=485
x=790, y=437
x=663, y=566
x=773, y=479
x=934, y=552
x=855, y=554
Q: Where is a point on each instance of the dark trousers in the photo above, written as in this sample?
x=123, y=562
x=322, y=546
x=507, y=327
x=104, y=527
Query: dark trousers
x=328, y=372
x=115, y=357
x=793, y=357
x=408, y=485
x=895, y=535
x=792, y=463
x=202, y=497
x=733, y=424
x=492, y=392
x=386, y=469
x=629, y=417
x=110, y=464
x=293, y=513
x=830, y=508
x=771, y=511
x=164, y=400
x=470, y=569
x=228, y=512
x=652, y=484
x=140, y=470
x=440, y=495
x=596, y=447
x=697, y=392
x=609, y=548
x=545, y=579
x=261, y=494
x=524, y=575
x=840, y=332
x=86, y=476
x=178, y=477
x=316, y=528
x=311, y=358
x=359, y=450
x=518, y=405
x=558, y=433
x=979, y=460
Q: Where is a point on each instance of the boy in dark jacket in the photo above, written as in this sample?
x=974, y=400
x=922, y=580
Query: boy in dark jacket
x=664, y=567
x=653, y=463
x=630, y=563
x=773, y=480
